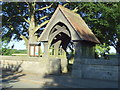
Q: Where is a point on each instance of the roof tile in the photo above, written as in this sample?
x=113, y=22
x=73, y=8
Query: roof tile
x=79, y=25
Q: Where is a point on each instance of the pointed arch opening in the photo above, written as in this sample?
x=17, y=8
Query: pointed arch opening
x=60, y=43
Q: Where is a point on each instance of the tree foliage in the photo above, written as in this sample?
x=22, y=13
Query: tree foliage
x=25, y=19
x=22, y=20
x=102, y=50
x=5, y=49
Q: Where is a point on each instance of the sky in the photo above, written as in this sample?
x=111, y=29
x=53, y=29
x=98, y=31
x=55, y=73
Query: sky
x=18, y=45
x=21, y=45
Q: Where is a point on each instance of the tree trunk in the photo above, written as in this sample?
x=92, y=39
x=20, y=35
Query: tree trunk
x=32, y=37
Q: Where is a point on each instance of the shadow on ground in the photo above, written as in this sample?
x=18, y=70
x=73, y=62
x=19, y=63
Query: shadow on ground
x=10, y=74
x=68, y=81
x=57, y=80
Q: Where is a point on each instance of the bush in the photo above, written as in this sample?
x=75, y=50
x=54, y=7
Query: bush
x=102, y=50
x=7, y=51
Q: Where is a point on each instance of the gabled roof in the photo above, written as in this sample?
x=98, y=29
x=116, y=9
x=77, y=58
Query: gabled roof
x=78, y=24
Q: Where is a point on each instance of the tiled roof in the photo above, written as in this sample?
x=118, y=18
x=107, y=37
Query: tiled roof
x=79, y=25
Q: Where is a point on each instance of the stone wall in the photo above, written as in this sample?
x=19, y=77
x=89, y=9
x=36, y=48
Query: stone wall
x=25, y=64
x=96, y=69
x=82, y=68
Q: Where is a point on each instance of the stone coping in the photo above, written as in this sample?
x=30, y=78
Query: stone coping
x=81, y=61
x=22, y=58
x=98, y=62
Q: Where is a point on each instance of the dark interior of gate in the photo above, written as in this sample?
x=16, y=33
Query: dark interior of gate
x=61, y=46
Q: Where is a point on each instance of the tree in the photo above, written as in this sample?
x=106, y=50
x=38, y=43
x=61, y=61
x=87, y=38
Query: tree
x=25, y=20
x=28, y=18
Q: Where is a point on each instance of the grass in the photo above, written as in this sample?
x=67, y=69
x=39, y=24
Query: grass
x=20, y=52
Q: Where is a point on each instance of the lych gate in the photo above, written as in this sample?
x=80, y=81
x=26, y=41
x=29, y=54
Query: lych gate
x=66, y=28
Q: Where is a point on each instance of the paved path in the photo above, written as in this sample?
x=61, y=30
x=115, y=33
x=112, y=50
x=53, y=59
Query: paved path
x=28, y=81
x=55, y=81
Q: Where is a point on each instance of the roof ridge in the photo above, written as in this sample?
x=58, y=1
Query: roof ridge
x=76, y=14
x=61, y=7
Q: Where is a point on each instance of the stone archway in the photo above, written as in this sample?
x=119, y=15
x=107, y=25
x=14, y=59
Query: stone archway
x=64, y=27
x=59, y=38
